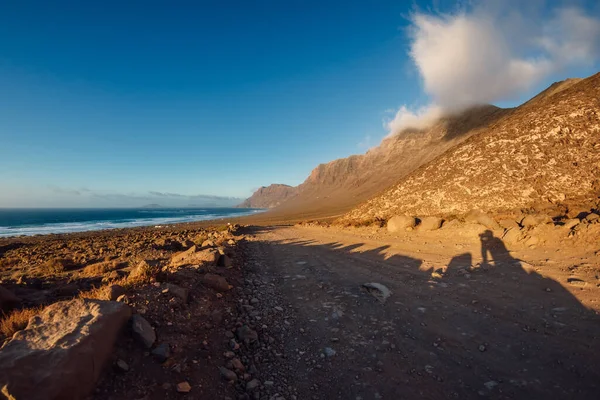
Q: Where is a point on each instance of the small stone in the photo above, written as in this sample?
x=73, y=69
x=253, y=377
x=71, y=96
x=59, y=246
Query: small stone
x=122, y=365
x=490, y=384
x=181, y=293
x=183, y=387
x=142, y=330
x=269, y=383
x=481, y=348
x=254, y=300
x=247, y=335
x=162, y=352
x=228, y=374
x=278, y=308
x=229, y=354
x=329, y=352
x=253, y=384
x=237, y=365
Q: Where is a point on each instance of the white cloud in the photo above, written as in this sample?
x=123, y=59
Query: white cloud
x=418, y=119
x=492, y=52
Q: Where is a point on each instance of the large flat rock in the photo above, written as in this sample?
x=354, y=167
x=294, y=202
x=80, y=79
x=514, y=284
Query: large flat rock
x=61, y=353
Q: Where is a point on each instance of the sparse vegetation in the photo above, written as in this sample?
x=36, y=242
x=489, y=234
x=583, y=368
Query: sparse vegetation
x=99, y=293
x=143, y=272
x=8, y=263
x=56, y=266
x=101, y=268
x=16, y=320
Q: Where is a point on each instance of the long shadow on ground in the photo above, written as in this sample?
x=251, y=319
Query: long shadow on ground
x=494, y=329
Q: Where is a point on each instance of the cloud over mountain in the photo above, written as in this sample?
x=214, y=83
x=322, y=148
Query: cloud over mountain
x=493, y=51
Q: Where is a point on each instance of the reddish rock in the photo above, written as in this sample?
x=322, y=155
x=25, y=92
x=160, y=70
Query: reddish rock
x=216, y=282
x=61, y=352
x=115, y=291
x=400, y=223
x=193, y=256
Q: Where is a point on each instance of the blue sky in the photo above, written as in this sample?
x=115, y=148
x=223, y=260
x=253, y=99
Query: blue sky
x=105, y=103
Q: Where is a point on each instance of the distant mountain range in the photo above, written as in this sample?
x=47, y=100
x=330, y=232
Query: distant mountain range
x=152, y=206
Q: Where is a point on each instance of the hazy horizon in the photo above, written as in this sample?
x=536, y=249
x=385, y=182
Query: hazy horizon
x=122, y=105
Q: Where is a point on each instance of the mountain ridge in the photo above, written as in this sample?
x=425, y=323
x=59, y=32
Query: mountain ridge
x=546, y=153
x=339, y=187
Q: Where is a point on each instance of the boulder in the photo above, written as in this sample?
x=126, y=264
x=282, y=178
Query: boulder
x=532, y=220
x=8, y=300
x=193, y=256
x=592, y=218
x=224, y=261
x=186, y=244
x=399, y=223
x=216, y=282
x=145, y=269
x=143, y=331
x=571, y=223
x=168, y=244
x=115, y=291
x=60, y=354
x=479, y=217
x=512, y=236
x=508, y=223
x=430, y=223
x=178, y=291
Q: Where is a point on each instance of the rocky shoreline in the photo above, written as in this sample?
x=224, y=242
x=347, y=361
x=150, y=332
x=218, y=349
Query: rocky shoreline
x=172, y=287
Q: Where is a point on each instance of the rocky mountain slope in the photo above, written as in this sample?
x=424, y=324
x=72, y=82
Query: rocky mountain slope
x=336, y=187
x=543, y=153
x=269, y=196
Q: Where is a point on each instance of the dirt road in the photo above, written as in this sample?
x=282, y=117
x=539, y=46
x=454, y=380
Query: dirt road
x=465, y=319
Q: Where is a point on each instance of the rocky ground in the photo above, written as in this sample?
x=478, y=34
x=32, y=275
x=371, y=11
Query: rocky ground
x=469, y=307
x=521, y=323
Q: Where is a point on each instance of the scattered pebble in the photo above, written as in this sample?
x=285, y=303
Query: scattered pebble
x=183, y=387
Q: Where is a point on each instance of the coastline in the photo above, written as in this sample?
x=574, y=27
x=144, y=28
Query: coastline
x=169, y=217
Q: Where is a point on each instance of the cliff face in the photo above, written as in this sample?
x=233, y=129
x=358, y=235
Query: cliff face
x=545, y=152
x=269, y=196
x=336, y=187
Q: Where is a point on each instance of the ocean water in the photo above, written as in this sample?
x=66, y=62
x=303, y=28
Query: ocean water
x=16, y=222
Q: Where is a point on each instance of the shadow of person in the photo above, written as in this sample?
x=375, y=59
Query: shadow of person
x=542, y=339
x=495, y=247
